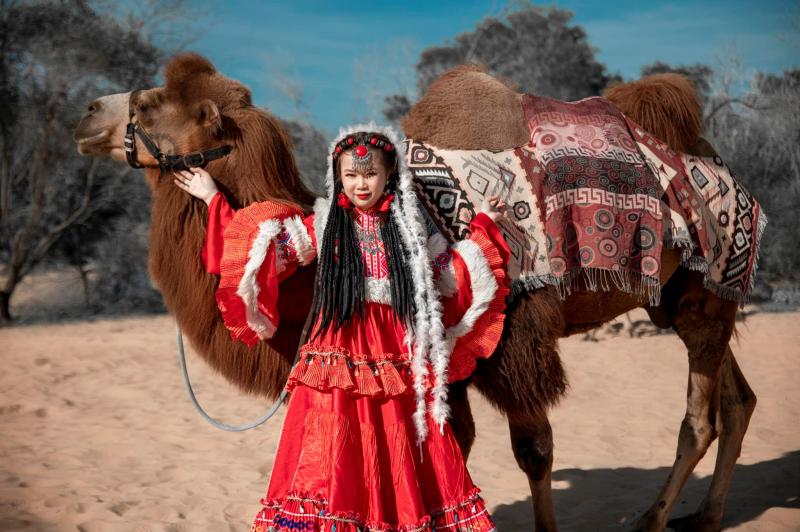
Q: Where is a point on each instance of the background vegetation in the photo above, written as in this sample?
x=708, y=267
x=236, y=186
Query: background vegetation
x=61, y=210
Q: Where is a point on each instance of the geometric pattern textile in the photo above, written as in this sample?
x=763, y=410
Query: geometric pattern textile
x=593, y=199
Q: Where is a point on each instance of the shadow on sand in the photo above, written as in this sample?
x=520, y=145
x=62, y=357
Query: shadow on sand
x=611, y=499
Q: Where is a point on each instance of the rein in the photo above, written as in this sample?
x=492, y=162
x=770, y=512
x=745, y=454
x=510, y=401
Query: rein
x=166, y=162
x=224, y=426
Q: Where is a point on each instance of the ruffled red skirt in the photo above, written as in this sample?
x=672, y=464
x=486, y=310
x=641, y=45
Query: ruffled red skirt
x=348, y=459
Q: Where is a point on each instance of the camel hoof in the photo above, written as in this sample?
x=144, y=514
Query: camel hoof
x=647, y=523
x=694, y=523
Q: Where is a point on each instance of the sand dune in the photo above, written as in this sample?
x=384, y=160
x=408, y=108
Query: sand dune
x=97, y=434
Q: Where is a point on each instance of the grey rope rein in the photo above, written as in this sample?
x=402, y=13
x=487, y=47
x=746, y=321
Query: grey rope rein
x=224, y=426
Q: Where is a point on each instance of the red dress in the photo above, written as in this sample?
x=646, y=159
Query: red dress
x=348, y=458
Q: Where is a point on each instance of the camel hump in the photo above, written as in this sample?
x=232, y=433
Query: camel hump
x=665, y=105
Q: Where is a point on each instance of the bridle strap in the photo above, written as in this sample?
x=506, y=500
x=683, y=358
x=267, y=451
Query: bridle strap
x=166, y=162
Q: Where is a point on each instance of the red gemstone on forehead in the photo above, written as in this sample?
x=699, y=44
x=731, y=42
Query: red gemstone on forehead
x=350, y=140
x=373, y=140
x=361, y=150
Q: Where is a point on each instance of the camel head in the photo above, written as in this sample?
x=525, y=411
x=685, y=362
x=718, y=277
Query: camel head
x=198, y=109
x=186, y=114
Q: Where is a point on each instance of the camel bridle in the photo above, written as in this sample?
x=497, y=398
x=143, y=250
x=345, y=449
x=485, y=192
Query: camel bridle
x=166, y=162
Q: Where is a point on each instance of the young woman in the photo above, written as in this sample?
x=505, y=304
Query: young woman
x=397, y=315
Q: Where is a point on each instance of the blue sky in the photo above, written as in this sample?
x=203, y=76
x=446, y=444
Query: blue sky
x=342, y=57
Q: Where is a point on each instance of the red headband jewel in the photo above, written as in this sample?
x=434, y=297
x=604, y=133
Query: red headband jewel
x=360, y=149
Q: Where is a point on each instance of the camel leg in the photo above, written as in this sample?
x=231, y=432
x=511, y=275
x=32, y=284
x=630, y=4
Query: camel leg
x=461, y=420
x=532, y=442
x=705, y=323
x=737, y=402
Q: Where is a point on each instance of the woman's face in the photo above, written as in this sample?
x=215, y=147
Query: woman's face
x=363, y=184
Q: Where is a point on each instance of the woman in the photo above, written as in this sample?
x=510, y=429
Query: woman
x=365, y=444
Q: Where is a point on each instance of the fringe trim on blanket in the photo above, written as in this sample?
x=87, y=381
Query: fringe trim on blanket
x=762, y=225
x=591, y=280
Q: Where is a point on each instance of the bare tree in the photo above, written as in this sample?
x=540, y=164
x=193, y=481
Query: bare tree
x=539, y=49
x=52, y=56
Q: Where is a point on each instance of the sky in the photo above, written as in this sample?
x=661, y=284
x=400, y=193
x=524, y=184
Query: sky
x=330, y=63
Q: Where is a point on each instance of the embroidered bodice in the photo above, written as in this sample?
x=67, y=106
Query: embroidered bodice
x=368, y=230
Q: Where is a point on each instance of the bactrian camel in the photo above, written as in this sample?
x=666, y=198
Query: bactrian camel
x=200, y=109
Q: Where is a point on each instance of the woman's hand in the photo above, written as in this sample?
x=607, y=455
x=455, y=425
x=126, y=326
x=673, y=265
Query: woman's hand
x=196, y=182
x=493, y=207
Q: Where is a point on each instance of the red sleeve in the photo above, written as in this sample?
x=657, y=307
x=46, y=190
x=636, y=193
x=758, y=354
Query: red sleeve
x=220, y=214
x=250, y=269
x=474, y=316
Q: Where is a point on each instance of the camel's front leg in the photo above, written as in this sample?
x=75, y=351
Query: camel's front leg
x=737, y=402
x=705, y=324
x=532, y=442
x=461, y=420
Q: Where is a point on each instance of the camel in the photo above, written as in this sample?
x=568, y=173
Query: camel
x=200, y=109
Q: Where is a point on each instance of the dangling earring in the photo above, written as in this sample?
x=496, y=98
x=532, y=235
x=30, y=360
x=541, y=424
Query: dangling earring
x=343, y=201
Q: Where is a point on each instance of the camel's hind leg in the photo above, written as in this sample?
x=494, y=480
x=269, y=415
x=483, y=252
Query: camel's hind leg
x=705, y=323
x=736, y=404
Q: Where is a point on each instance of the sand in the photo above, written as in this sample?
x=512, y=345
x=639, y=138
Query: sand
x=97, y=433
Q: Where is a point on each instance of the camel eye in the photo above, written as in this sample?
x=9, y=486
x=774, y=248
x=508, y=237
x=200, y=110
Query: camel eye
x=143, y=108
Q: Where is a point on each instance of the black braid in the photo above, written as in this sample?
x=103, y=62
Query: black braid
x=339, y=290
x=340, y=285
x=400, y=277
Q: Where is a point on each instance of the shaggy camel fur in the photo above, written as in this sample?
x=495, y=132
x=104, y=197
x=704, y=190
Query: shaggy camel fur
x=465, y=109
x=195, y=110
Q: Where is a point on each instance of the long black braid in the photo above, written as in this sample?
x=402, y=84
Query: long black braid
x=340, y=285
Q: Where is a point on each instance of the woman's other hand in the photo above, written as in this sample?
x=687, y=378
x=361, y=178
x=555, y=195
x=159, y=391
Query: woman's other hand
x=196, y=182
x=493, y=207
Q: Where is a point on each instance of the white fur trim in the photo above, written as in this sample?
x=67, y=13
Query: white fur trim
x=437, y=244
x=483, y=285
x=321, y=207
x=248, y=286
x=378, y=290
x=301, y=240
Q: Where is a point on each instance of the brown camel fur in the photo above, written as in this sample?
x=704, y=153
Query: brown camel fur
x=464, y=109
x=199, y=109
x=454, y=115
x=649, y=99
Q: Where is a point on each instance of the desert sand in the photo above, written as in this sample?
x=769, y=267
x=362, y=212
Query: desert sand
x=97, y=433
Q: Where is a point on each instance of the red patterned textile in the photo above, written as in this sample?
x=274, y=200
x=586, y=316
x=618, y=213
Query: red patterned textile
x=348, y=458
x=603, y=214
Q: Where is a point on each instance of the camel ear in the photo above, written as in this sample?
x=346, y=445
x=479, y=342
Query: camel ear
x=208, y=115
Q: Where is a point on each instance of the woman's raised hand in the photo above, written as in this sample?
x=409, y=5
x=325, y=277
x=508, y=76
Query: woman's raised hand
x=493, y=207
x=196, y=182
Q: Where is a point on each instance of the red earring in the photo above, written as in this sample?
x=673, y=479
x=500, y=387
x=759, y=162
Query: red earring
x=344, y=202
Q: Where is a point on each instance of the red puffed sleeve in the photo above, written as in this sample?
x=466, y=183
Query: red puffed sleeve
x=219, y=214
x=264, y=243
x=297, y=235
x=474, y=283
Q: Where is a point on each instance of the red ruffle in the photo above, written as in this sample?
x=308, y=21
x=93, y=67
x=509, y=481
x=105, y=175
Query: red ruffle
x=307, y=513
x=482, y=339
x=326, y=367
x=239, y=235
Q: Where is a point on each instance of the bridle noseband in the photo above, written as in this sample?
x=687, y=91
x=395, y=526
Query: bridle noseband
x=166, y=162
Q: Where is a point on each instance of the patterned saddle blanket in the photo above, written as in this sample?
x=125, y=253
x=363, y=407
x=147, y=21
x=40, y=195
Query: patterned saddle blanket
x=593, y=200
